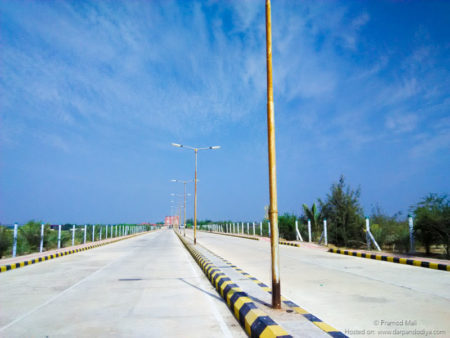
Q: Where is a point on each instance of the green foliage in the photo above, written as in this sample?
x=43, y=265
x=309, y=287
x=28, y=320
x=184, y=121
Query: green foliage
x=5, y=241
x=316, y=220
x=66, y=239
x=432, y=221
x=344, y=215
x=389, y=231
x=286, y=226
x=29, y=237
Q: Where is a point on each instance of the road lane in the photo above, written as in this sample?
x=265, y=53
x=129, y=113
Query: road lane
x=145, y=286
x=347, y=292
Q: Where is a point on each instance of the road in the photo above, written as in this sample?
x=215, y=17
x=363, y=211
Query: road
x=147, y=286
x=358, y=296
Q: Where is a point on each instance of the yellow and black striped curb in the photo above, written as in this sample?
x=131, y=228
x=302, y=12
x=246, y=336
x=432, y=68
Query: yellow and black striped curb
x=233, y=235
x=289, y=243
x=8, y=267
x=393, y=259
x=255, y=322
x=313, y=319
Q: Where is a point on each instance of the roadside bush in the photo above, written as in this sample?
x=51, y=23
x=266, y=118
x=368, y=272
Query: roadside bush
x=286, y=226
x=389, y=231
x=29, y=237
x=5, y=241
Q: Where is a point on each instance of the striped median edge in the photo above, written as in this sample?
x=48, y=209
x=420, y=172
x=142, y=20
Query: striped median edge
x=313, y=319
x=289, y=243
x=392, y=259
x=255, y=321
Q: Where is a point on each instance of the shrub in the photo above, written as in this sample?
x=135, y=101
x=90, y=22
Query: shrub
x=5, y=240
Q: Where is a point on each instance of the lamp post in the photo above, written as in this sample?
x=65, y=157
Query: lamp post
x=184, y=182
x=179, y=206
x=195, y=181
x=273, y=209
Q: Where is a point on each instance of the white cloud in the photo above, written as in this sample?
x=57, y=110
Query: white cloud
x=401, y=122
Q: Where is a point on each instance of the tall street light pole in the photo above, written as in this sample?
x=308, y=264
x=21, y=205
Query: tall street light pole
x=184, y=182
x=195, y=181
x=180, y=206
x=273, y=210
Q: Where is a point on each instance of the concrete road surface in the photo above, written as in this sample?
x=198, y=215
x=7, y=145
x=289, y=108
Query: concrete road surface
x=146, y=286
x=361, y=297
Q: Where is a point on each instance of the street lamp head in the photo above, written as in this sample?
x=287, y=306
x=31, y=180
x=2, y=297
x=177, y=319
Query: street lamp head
x=173, y=180
x=214, y=147
x=177, y=145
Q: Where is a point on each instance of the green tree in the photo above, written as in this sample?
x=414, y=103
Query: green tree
x=432, y=222
x=344, y=215
x=314, y=216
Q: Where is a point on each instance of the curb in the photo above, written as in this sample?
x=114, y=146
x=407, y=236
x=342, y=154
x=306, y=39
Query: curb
x=392, y=259
x=13, y=266
x=313, y=319
x=255, y=322
x=289, y=243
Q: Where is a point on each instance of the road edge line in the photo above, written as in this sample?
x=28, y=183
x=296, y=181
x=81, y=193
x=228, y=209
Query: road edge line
x=14, y=266
x=392, y=259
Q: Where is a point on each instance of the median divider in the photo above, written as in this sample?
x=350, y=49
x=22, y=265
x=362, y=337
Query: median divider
x=393, y=259
x=20, y=264
x=255, y=321
x=297, y=309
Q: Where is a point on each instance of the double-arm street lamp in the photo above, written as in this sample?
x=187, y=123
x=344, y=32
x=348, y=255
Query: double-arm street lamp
x=184, y=182
x=195, y=180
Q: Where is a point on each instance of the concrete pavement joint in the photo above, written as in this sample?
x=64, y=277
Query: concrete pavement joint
x=393, y=259
x=255, y=322
x=9, y=267
x=313, y=319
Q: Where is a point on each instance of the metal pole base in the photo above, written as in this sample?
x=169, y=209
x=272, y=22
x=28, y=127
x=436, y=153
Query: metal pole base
x=276, y=296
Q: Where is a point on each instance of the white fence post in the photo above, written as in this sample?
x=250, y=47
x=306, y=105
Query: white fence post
x=73, y=234
x=412, y=248
x=253, y=228
x=367, y=233
x=59, y=236
x=260, y=229
x=297, y=232
x=325, y=231
x=309, y=230
x=85, y=227
x=41, y=246
x=14, y=250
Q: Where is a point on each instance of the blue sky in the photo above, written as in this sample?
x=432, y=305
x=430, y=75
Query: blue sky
x=94, y=92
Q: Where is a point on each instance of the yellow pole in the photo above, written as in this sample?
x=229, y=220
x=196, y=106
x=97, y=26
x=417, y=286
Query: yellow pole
x=195, y=199
x=273, y=210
